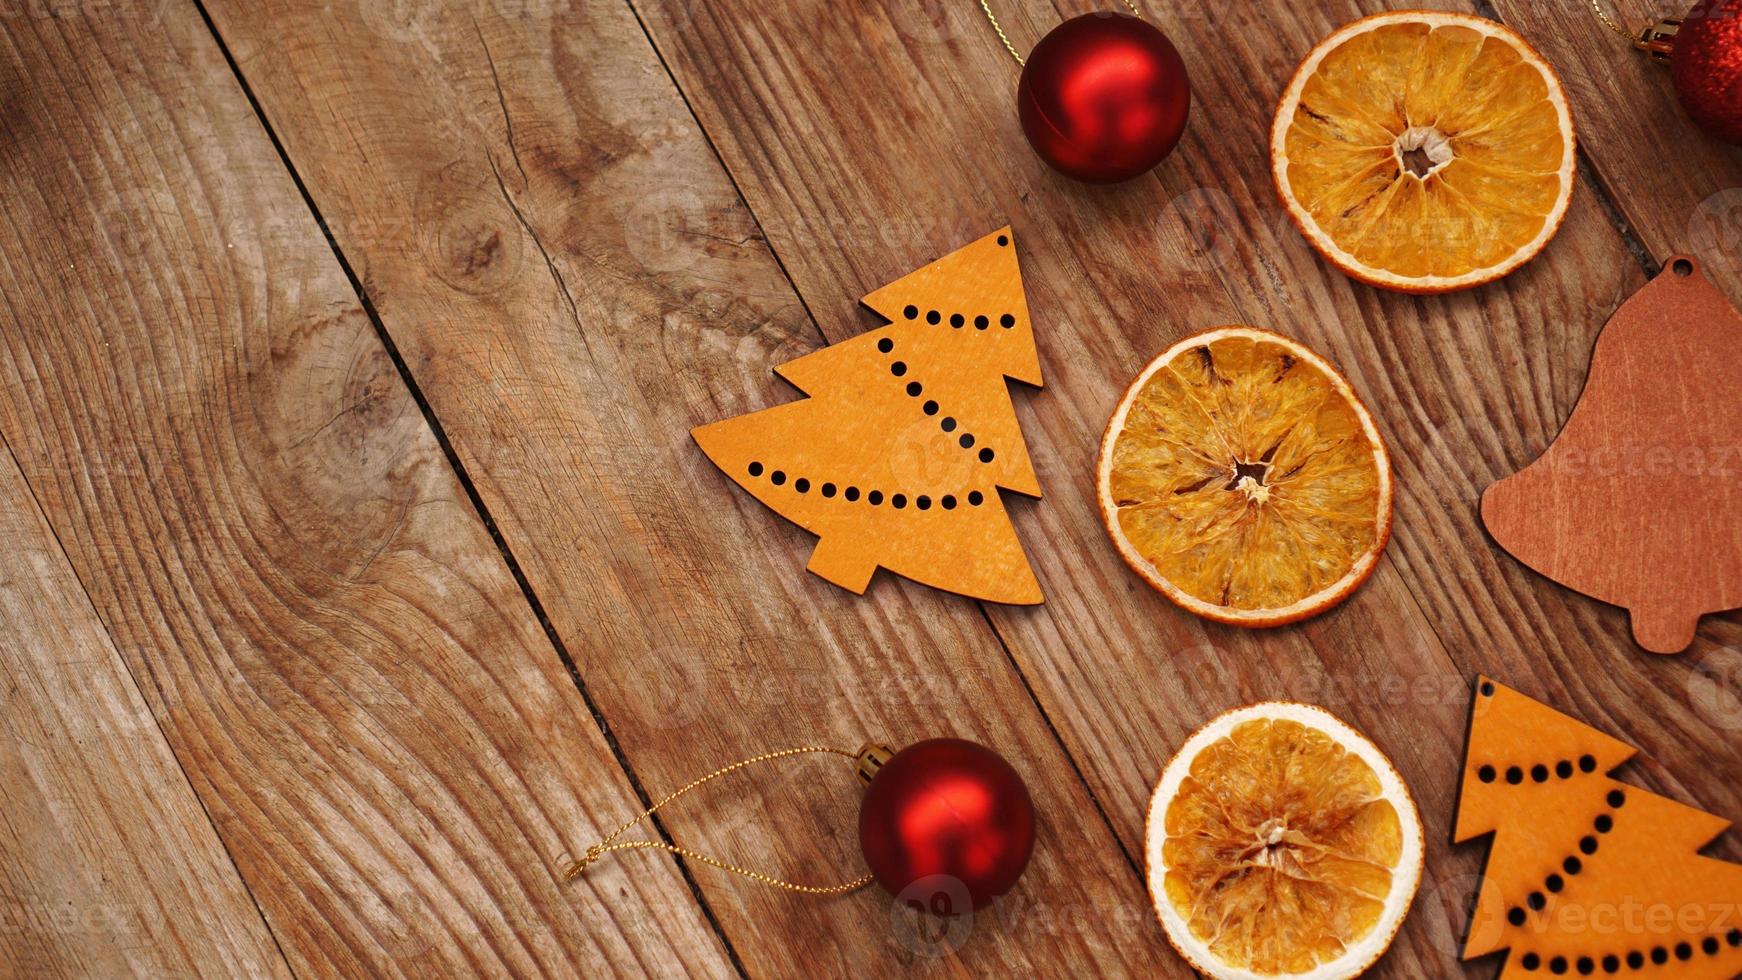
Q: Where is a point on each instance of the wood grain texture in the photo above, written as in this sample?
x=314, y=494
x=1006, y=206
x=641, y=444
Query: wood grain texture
x=108, y=865
x=892, y=124
x=337, y=654
x=574, y=284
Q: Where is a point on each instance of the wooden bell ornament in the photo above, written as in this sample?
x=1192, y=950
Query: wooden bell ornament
x=1638, y=501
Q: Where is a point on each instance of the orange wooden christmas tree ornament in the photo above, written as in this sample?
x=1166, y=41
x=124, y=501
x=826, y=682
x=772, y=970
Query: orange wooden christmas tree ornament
x=896, y=458
x=1587, y=876
x=1638, y=501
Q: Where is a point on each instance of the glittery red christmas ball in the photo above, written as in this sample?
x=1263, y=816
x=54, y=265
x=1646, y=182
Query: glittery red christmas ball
x=947, y=825
x=1707, y=64
x=1104, y=97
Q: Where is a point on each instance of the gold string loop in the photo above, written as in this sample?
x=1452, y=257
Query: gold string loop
x=986, y=8
x=610, y=843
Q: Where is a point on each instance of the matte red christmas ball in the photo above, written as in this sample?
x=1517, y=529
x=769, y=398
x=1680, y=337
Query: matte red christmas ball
x=947, y=822
x=1104, y=97
x=1706, y=62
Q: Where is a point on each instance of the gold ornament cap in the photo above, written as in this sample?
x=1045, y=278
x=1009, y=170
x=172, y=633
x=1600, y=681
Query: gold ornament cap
x=1658, y=40
x=872, y=756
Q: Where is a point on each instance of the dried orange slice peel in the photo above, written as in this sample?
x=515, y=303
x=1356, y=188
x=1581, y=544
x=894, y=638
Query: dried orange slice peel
x=1425, y=151
x=1282, y=843
x=1242, y=478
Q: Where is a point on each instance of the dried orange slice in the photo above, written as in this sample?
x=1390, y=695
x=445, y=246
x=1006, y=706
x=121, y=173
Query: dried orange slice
x=1243, y=479
x=1281, y=842
x=1425, y=151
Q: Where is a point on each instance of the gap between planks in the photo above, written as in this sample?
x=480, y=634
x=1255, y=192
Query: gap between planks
x=477, y=501
x=133, y=679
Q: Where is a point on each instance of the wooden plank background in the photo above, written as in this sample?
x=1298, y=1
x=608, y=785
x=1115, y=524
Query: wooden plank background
x=380, y=732
x=349, y=357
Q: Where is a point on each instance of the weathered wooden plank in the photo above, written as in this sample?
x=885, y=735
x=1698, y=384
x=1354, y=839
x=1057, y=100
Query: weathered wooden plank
x=108, y=866
x=574, y=283
x=339, y=657
x=895, y=120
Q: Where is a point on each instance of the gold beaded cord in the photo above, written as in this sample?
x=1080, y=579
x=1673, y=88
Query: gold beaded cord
x=1610, y=22
x=991, y=17
x=574, y=869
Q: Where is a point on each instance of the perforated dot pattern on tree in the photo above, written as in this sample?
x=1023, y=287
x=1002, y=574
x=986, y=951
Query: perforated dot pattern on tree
x=1587, y=876
x=896, y=457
